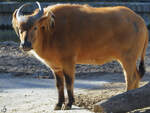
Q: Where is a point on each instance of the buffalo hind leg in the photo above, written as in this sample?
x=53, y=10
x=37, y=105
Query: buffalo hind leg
x=138, y=78
x=131, y=74
x=60, y=87
x=69, y=81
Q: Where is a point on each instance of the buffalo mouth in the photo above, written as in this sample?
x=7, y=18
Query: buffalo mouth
x=26, y=47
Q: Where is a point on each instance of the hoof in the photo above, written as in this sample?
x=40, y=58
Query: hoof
x=57, y=107
x=66, y=107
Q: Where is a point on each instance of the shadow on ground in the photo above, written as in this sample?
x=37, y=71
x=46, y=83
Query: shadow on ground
x=92, y=80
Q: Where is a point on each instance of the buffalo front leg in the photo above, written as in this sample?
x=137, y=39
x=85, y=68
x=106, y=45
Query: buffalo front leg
x=69, y=81
x=60, y=87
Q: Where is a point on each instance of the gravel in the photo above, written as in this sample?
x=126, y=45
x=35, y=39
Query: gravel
x=13, y=60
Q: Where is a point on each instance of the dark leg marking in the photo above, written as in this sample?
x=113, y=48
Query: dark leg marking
x=141, y=69
x=69, y=84
x=60, y=87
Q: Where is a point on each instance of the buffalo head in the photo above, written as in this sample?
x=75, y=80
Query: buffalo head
x=33, y=26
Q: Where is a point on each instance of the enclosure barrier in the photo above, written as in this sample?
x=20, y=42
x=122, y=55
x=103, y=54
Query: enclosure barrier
x=7, y=8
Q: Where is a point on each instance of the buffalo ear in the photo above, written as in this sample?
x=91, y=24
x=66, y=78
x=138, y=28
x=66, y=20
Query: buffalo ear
x=14, y=23
x=52, y=23
x=51, y=19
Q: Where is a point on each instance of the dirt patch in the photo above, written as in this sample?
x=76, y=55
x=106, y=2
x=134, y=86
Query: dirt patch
x=94, y=96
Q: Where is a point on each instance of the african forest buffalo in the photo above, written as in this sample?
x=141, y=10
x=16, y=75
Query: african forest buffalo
x=67, y=34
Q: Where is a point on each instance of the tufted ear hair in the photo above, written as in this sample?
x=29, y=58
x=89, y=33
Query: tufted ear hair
x=52, y=19
x=14, y=23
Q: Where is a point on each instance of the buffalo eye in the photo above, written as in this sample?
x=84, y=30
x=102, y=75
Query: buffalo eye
x=35, y=28
x=43, y=27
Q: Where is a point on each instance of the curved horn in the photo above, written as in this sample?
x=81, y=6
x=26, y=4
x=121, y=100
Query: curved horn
x=39, y=14
x=19, y=15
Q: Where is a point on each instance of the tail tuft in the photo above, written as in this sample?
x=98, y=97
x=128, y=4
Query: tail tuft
x=141, y=69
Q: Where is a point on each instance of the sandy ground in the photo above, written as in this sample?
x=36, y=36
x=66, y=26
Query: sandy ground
x=21, y=90
x=30, y=95
x=33, y=95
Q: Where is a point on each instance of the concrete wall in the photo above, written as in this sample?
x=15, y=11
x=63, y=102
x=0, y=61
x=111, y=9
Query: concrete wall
x=7, y=8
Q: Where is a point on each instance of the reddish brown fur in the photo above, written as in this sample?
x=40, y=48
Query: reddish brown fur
x=87, y=35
